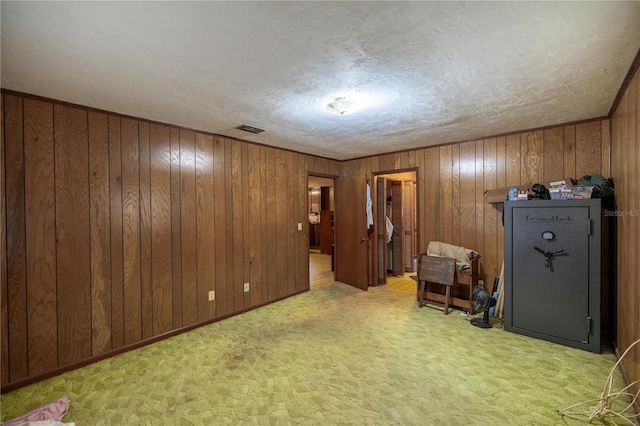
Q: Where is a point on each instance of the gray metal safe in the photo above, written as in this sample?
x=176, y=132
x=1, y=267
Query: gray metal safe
x=552, y=270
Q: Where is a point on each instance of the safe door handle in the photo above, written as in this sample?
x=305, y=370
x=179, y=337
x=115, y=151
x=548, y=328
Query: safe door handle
x=548, y=255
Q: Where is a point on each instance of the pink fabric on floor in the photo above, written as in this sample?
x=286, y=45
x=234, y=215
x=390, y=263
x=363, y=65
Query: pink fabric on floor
x=55, y=410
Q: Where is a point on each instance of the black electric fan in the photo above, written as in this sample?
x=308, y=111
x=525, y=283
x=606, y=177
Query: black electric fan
x=481, y=301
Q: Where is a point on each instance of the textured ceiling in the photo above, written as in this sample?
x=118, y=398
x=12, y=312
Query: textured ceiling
x=430, y=72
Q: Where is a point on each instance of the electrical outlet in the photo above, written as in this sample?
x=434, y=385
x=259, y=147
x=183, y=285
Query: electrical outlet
x=246, y=287
x=299, y=226
x=212, y=295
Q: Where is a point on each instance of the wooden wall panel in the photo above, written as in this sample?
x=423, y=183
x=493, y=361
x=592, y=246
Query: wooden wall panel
x=480, y=204
x=532, y=166
x=246, y=235
x=176, y=226
x=254, y=216
x=132, y=290
x=281, y=220
x=490, y=228
x=4, y=309
x=146, y=289
x=72, y=235
x=588, y=148
x=237, y=240
x=264, y=225
x=446, y=194
x=272, y=223
x=290, y=230
x=467, y=194
x=16, y=251
x=625, y=170
x=220, y=208
x=501, y=182
x=40, y=206
x=431, y=190
x=117, y=259
x=553, y=167
x=99, y=218
x=303, y=236
x=569, y=150
x=188, y=229
x=229, y=229
x=133, y=206
x=161, y=241
x=205, y=224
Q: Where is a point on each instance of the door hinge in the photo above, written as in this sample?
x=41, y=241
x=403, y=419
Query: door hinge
x=588, y=325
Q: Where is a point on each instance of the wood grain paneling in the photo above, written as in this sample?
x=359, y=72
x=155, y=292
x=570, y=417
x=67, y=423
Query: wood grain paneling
x=161, y=231
x=4, y=309
x=255, y=216
x=117, y=259
x=176, y=224
x=446, y=194
x=625, y=170
x=552, y=153
x=531, y=153
x=292, y=203
x=132, y=289
x=220, y=225
x=272, y=223
x=237, y=238
x=490, y=228
x=205, y=226
x=99, y=218
x=146, y=289
x=188, y=227
x=16, y=251
x=588, y=148
x=467, y=194
x=72, y=235
x=246, y=226
x=117, y=228
x=40, y=206
x=280, y=216
x=569, y=151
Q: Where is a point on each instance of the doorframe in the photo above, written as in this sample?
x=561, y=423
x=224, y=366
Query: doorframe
x=374, y=190
x=307, y=207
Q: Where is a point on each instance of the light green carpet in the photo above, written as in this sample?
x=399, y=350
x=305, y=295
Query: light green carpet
x=333, y=355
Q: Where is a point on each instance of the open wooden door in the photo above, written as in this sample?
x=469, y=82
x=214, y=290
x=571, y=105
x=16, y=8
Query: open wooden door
x=351, y=232
x=397, y=242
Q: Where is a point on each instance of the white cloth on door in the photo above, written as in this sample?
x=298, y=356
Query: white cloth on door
x=369, y=207
x=388, y=228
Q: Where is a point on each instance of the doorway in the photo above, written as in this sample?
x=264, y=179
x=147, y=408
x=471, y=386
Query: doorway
x=321, y=207
x=396, y=214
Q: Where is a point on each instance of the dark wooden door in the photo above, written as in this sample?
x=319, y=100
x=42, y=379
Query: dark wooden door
x=351, y=231
x=397, y=241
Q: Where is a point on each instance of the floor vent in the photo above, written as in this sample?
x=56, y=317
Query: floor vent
x=249, y=129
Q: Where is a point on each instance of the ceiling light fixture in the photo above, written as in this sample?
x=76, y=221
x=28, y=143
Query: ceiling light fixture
x=340, y=106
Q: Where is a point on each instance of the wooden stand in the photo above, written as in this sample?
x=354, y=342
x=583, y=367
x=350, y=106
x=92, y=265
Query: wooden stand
x=461, y=292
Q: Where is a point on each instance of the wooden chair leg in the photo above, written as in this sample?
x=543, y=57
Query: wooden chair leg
x=421, y=294
x=446, y=300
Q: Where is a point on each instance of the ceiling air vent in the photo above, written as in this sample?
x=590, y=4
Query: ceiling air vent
x=249, y=129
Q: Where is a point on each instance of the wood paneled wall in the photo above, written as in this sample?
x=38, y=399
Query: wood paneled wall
x=115, y=229
x=625, y=169
x=452, y=180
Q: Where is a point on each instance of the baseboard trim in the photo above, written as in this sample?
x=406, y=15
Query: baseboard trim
x=83, y=363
